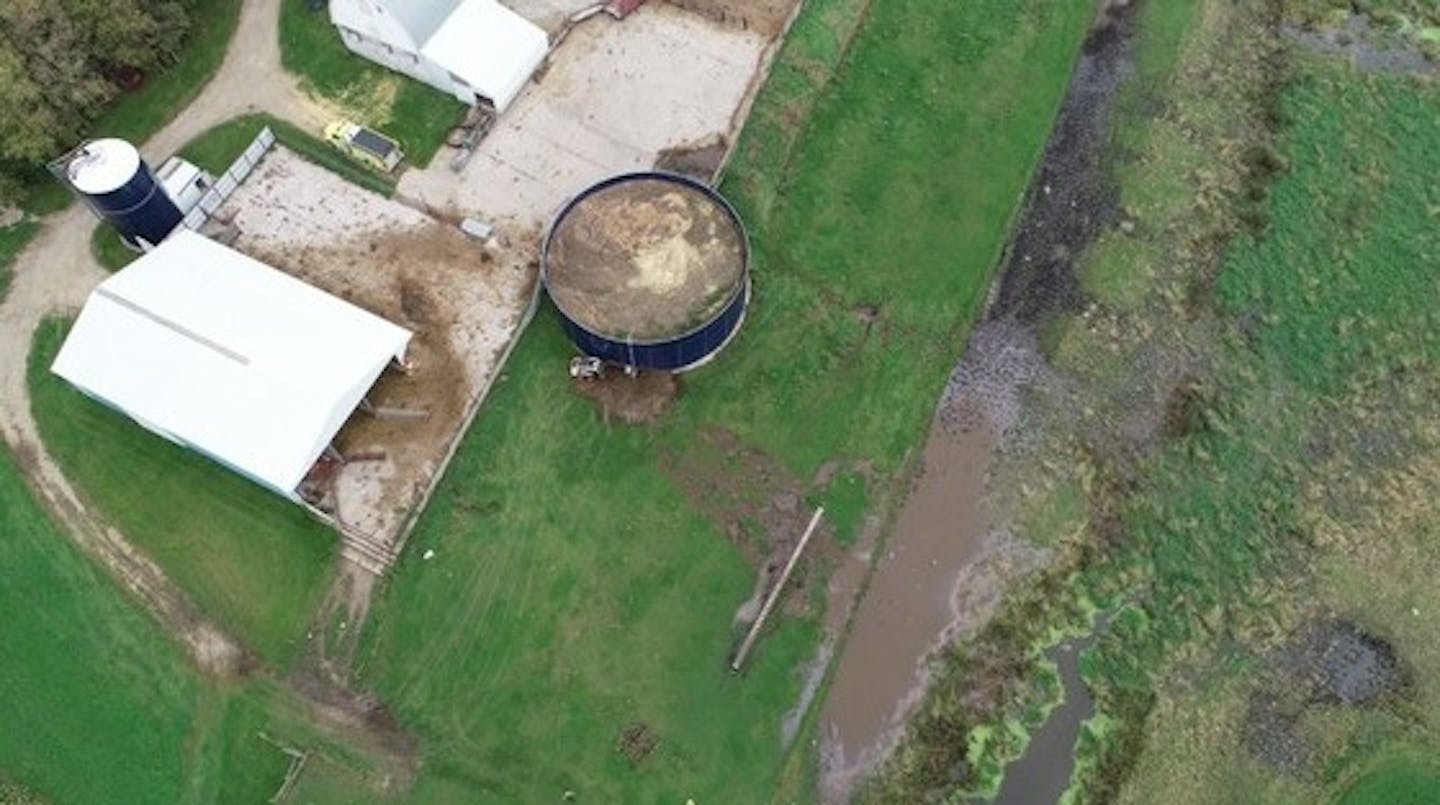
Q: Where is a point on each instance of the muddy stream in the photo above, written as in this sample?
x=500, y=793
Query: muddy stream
x=946, y=562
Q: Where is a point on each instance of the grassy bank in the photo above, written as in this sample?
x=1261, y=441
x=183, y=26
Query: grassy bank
x=1336, y=288
x=574, y=590
x=414, y=114
x=215, y=149
x=251, y=560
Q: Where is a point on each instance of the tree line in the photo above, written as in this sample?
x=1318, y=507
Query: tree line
x=63, y=61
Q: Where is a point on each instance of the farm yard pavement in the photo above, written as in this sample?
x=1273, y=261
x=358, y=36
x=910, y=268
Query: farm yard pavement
x=56, y=273
x=615, y=95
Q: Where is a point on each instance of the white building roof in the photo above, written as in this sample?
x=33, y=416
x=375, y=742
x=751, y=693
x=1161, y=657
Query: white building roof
x=228, y=356
x=489, y=47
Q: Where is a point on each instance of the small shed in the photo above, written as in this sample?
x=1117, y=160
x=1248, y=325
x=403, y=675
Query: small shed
x=229, y=357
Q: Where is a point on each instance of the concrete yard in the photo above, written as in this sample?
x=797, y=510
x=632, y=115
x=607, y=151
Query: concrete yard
x=615, y=94
x=464, y=301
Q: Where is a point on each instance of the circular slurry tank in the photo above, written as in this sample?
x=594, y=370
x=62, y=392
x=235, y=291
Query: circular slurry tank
x=648, y=270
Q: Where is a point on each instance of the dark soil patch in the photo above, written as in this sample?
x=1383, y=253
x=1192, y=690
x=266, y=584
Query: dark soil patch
x=1330, y=664
x=637, y=741
x=1342, y=664
x=636, y=400
x=1367, y=47
x=358, y=714
x=1072, y=198
x=1272, y=733
x=700, y=161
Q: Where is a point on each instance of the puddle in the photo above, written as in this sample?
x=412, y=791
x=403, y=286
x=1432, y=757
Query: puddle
x=945, y=565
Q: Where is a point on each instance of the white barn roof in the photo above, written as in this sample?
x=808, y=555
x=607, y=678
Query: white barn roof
x=228, y=356
x=489, y=47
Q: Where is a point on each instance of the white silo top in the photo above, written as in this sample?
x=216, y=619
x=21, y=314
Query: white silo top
x=103, y=166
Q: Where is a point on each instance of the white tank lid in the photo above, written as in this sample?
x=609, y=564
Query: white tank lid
x=103, y=166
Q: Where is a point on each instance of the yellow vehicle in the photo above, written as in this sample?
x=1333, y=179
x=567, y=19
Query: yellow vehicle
x=364, y=145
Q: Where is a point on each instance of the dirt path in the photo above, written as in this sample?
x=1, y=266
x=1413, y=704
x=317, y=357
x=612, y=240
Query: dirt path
x=56, y=272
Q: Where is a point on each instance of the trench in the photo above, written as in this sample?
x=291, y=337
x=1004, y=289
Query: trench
x=946, y=564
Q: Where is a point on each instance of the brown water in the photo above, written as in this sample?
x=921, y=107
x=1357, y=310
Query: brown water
x=908, y=609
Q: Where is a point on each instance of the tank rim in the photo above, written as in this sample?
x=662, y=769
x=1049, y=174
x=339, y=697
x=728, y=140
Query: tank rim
x=101, y=179
x=741, y=287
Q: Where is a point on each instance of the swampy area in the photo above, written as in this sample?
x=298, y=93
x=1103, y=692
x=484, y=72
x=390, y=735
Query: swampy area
x=1225, y=442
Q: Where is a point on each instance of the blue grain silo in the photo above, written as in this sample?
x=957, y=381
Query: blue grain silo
x=649, y=271
x=122, y=189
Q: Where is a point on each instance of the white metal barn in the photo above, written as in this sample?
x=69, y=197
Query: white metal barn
x=472, y=49
x=228, y=356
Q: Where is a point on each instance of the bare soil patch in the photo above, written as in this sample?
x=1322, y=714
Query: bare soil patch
x=759, y=506
x=636, y=742
x=635, y=400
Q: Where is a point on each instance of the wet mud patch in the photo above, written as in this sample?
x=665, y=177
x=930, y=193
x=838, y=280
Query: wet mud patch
x=1073, y=197
x=759, y=506
x=699, y=161
x=638, y=399
x=1329, y=664
x=1366, y=46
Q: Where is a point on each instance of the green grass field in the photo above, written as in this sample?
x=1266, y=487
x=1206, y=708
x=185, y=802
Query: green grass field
x=250, y=559
x=1405, y=780
x=574, y=591
x=89, y=683
x=100, y=706
x=414, y=114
